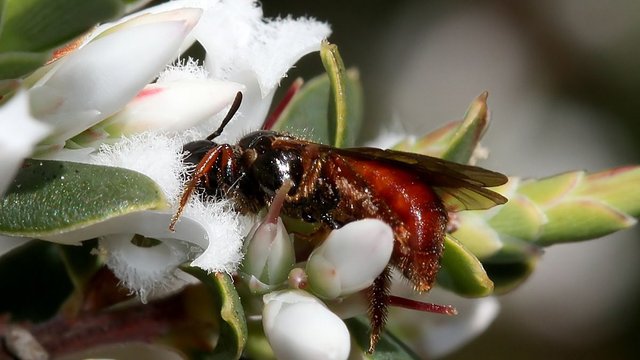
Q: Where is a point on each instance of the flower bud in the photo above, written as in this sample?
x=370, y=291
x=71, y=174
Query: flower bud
x=269, y=256
x=176, y=105
x=300, y=326
x=98, y=79
x=350, y=258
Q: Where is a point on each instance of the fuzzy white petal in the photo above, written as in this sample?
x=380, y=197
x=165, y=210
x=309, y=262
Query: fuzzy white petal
x=214, y=231
x=209, y=227
x=243, y=47
x=237, y=41
x=19, y=133
x=97, y=80
x=299, y=326
x=143, y=269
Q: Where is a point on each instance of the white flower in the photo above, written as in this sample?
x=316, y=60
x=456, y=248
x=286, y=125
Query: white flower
x=97, y=80
x=350, y=259
x=299, y=326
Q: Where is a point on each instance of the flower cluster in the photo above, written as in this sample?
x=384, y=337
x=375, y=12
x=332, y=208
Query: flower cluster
x=118, y=97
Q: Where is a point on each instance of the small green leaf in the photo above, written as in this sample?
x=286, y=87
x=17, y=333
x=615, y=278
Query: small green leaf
x=233, y=331
x=549, y=190
x=307, y=114
x=476, y=235
x=581, y=220
x=520, y=218
x=456, y=140
x=389, y=347
x=506, y=276
x=53, y=197
x=617, y=187
x=467, y=136
x=337, y=92
x=462, y=272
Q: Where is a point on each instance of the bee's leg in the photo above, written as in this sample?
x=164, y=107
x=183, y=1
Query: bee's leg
x=378, y=295
x=201, y=171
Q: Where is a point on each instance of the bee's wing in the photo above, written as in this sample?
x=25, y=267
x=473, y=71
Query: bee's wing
x=461, y=187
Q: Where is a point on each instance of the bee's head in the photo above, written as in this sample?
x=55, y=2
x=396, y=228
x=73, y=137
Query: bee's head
x=195, y=151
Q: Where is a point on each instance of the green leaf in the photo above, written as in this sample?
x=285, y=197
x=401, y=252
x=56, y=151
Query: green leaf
x=467, y=136
x=506, y=276
x=581, y=220
x=456, y=140
x=337, y=89
x=549, y=190
x=389, y=347
x=308, y=116
x=38, y=25
x=462, y=272
x=520, y=217
x=476, y=235
x=617, y=187
x=17, y=63
x=53, y=197
x=578, y=206
x=233, y=331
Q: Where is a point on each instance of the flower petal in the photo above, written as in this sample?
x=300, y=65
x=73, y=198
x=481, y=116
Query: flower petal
x=19, y=133
x=98, y=79
x=244, y=48
x=299, y=326
x=173, y=106
x=350, y=258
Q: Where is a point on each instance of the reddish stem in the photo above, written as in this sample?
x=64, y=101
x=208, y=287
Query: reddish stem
x=421, y=306
x=139, y=323
x=275, y=115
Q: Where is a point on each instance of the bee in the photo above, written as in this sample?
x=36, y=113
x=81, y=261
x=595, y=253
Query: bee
x=331, y=186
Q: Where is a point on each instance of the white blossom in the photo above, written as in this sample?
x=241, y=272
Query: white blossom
x=350, y=259
x=300, y=326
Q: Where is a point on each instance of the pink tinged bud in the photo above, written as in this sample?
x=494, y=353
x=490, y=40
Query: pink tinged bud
x=350, y=259
x=174, y=105
x=98, y=79
x=300, y=326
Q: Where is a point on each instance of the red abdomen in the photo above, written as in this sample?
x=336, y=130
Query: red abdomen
x=416, y=214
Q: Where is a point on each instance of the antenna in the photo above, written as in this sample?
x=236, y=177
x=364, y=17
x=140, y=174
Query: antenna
x=232, y=111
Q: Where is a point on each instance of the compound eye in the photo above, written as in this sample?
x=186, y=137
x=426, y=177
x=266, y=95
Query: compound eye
x=258, y=140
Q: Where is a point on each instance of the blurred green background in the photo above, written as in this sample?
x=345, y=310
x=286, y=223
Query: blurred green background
x=564, y=83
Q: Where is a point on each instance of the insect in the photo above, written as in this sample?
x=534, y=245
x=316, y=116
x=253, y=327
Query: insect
x=334, y=186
